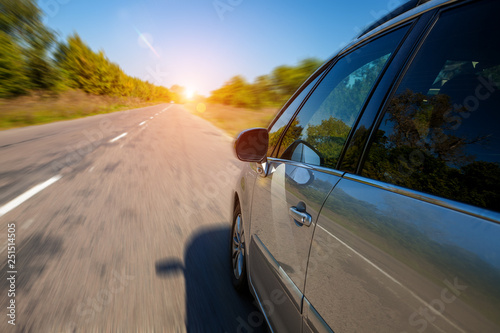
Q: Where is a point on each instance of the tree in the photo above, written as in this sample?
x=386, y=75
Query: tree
x=287, y=79
x=267, y=90
x=236, y=92
x=13, y=79
x=420, y=122
x=25, y=62
x=263, y=92
x=418, y=147
x=22, y=21
x=328, y=138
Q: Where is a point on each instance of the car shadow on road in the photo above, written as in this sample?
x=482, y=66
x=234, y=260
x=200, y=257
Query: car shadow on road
x=212, y=305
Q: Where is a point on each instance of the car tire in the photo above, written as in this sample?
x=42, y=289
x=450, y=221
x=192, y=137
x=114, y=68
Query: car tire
x=238, y=252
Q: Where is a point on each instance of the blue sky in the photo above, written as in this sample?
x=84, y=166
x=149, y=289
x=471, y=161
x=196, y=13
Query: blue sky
x=200, y=44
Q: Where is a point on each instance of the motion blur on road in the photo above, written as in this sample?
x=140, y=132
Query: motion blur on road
x=133, y=237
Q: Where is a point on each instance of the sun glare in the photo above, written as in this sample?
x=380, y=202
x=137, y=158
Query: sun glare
x=189, y=93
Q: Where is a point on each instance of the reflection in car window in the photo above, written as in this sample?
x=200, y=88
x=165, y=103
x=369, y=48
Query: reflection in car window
x=325, y=120
x=280, y=125
x=440, y=133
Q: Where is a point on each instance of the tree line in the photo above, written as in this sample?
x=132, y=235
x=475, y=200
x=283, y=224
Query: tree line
x=31, y=58
x=271, y=90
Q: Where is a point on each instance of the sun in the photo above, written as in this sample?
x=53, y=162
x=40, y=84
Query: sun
x=189, y=93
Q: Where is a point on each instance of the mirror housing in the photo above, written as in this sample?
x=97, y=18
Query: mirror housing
x=251, y=145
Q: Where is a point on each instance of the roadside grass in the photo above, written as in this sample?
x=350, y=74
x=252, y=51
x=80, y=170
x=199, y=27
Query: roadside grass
x=231, y=119
x=41, y=108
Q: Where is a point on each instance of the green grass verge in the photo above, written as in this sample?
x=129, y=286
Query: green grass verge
x=40, y=108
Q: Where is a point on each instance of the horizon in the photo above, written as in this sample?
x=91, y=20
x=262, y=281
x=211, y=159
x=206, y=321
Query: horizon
x=201, y=44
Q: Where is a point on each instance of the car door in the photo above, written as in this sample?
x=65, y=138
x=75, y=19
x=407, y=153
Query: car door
x=297, y=179
x=408, y=240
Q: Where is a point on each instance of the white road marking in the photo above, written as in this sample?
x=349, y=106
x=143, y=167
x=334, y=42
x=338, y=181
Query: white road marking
x=150, y=117
x=165, y=109
x=119, y=137
x=91, y=169
x=26, y=195
x=142, y=123
x=433, y=310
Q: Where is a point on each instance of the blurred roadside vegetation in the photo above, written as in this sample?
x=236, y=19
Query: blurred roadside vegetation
x=232, y=119
x=44, y=79
x=271, y=90
x=40, y=107
x=239, y=105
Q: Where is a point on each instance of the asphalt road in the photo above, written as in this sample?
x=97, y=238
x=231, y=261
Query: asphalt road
x=132, y=235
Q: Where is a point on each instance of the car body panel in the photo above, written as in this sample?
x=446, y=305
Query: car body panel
x=377, y=256
x=395, y=263
x=280, y=245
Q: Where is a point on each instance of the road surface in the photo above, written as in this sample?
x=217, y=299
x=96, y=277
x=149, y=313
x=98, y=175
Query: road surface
x=125, y=229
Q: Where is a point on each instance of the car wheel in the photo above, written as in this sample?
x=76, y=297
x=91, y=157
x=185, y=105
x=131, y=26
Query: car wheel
x=238, y=252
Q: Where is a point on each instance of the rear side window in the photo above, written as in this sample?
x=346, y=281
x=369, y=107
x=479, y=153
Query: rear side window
x=318, y=133
x=441, y=130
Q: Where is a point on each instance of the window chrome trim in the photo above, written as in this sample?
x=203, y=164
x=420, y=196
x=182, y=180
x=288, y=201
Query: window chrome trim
x=289, y=286
x=308, y=166
x=313, y=319
x=433, y=199
x=317, y=73
x=261, y=307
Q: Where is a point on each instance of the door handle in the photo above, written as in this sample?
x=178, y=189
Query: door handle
x=301, y=217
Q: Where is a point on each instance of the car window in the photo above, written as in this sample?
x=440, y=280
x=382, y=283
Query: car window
x=440, y=133
x=280, y=124
x=316, y=136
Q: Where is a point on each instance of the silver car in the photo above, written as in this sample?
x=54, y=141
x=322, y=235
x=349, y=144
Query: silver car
x=372, y=201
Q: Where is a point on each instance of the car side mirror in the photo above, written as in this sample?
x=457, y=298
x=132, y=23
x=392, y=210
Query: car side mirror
x=251, y=145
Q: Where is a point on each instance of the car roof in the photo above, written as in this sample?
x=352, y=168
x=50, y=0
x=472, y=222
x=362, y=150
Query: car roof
x=408, y=5
x=401, y=14
x=416, y=8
